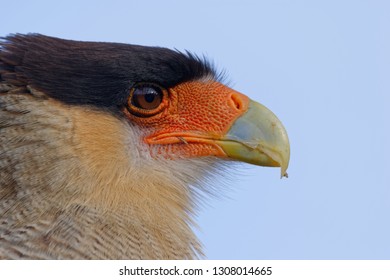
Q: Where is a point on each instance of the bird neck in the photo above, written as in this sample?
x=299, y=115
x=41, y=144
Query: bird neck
x=86, y=185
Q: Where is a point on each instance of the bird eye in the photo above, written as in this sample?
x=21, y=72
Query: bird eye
x=145, y=100
x=146, y=97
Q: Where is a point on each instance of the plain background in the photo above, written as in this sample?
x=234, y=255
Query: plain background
x=322, y=66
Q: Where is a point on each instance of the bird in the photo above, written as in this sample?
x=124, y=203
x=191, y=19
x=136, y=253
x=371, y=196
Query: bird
x=105, y=147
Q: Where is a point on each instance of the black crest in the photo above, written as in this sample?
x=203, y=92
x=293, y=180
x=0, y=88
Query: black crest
x=94, y=73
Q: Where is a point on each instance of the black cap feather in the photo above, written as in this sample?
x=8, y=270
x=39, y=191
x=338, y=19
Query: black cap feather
x=93, y=73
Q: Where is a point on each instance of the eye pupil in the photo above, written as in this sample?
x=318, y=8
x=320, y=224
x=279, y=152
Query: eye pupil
x=146, y=97
x=149, y=97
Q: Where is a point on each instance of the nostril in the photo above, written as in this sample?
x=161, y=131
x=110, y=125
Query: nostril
x=237, y=102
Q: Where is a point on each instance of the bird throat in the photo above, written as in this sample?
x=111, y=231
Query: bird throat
x=92, y=195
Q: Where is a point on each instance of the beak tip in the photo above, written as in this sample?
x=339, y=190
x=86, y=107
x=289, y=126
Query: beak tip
x=284, y=163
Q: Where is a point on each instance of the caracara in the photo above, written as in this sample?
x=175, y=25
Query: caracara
x=104, y=146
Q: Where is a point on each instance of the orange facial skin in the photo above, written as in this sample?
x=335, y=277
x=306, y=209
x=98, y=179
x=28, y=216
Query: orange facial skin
x=191, y=117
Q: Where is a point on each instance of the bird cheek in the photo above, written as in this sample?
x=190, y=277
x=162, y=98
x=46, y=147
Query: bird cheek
x=199, y=114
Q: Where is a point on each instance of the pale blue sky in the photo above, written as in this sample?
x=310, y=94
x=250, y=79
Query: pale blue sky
x=322, y=66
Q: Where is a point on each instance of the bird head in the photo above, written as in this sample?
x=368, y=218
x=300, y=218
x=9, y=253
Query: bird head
x=175, y=98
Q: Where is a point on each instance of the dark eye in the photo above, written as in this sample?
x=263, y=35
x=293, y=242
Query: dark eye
x=147, y=100
x=146, y=97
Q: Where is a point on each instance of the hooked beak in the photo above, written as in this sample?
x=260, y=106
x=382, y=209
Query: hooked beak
x=258, y=137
